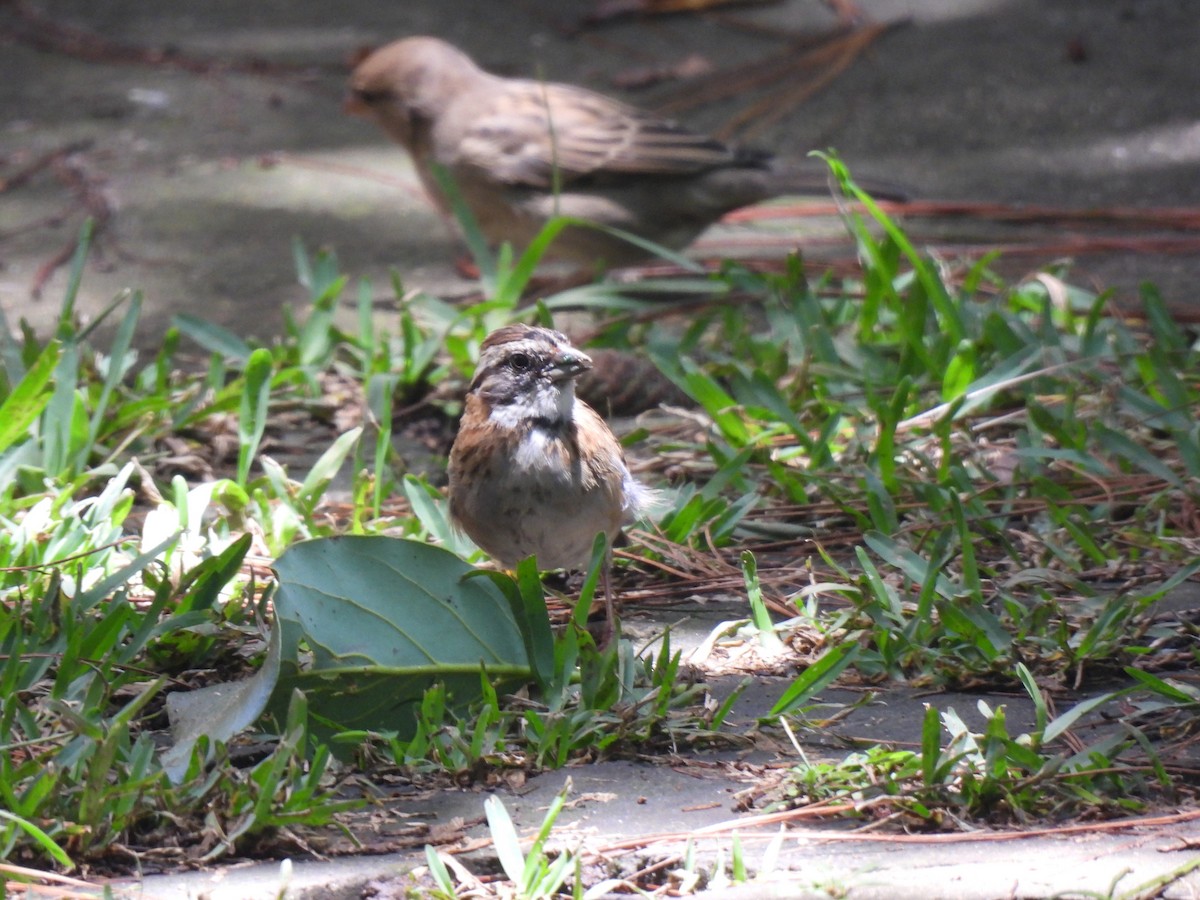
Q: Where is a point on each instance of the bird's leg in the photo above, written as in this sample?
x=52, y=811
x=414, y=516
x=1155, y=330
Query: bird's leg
x=466, y=268
x=611, y=626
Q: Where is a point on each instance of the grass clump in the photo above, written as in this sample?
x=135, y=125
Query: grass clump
x=933, y=478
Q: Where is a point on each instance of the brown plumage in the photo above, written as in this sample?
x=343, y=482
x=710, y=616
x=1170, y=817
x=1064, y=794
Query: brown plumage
x=534, y=470
x=522, y=151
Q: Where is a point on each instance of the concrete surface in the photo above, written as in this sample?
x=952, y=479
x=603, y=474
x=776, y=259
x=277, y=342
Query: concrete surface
x=696, y=792
x=211, y=176
x=815, y=863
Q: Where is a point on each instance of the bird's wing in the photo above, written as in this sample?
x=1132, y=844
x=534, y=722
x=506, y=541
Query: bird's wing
x=541, y=134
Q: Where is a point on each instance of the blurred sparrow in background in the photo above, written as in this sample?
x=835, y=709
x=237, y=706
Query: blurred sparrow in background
x=533, y=470
x=522, y=151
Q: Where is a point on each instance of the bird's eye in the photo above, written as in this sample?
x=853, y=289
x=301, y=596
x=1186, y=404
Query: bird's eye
x=520, y=362
x=372, y=97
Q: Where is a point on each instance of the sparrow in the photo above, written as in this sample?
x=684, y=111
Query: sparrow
x=522, y=151
x=535, y=471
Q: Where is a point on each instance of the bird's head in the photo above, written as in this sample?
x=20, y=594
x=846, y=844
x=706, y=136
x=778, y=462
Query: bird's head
x=407, y=82
x=527, y=373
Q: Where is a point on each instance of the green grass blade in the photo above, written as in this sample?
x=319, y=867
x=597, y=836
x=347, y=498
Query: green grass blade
x=31, y=395
x=122, y=341
x=212, y=337
x=477, y=244
x=814, y=679
x=42, y=839
x=255, y=404
x=505, y=839
x=61, y=415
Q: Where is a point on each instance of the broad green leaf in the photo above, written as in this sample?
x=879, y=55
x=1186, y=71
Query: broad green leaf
x=385, y=619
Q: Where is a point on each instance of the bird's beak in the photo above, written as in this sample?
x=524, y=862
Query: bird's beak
x=354, y=105
x=568, y=364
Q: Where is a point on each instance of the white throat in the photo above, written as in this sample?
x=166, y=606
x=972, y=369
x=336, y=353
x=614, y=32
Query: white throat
x=550, y=404
x=565, y=400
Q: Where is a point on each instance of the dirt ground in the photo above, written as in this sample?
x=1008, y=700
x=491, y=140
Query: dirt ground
x=207, y=156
